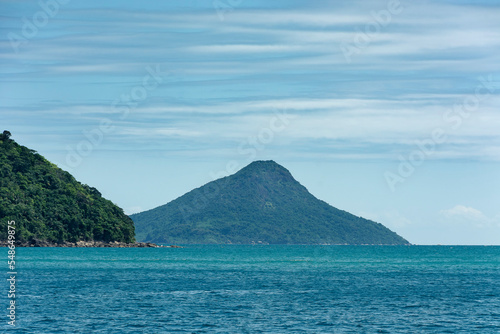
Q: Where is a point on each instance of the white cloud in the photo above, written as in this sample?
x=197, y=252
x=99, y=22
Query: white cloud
x=396, y=91
x=466, y=215
x=463, y=211
x=246, y=48
x=159, y=132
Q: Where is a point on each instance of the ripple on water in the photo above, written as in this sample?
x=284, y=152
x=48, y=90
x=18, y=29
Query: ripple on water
x=273, y=289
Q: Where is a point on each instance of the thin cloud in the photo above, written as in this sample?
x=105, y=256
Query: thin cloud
x=236, y=73
x=461, y=214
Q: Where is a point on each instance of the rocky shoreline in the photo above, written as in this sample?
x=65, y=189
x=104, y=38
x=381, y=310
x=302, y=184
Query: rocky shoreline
x=100, y=244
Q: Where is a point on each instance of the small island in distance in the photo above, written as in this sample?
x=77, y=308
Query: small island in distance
x=260, y=204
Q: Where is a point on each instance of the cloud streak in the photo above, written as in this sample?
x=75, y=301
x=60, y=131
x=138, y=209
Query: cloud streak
x=234, y=73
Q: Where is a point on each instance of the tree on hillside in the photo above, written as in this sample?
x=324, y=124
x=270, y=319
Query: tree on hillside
x=5, y=135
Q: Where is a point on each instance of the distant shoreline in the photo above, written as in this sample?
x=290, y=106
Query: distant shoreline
x=84, y=244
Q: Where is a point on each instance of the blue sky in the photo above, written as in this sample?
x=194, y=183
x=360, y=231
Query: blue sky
x=386, y=109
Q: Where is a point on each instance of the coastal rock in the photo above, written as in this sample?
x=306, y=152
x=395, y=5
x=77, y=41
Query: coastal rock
x=81, y=243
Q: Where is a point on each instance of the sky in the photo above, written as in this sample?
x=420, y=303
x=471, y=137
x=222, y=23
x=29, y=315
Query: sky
x=386, y=109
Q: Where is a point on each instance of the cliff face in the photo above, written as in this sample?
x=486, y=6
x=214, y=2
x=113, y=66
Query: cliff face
x=260, y=203
x=48, y=204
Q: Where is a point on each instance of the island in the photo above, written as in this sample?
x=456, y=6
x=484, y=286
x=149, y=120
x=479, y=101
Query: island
x=50, y=208
x=260, y=204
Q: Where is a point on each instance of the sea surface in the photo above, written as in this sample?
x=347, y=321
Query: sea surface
x=256, y=289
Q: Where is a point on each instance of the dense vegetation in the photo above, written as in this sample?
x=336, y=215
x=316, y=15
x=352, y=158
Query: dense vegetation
x=47, y=203
x=260, y=203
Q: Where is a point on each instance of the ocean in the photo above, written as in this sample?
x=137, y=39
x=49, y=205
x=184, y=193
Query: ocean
x=256, y=289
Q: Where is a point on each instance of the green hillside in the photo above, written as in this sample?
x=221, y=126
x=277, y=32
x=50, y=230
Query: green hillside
x=260, y=203
x=47, y=203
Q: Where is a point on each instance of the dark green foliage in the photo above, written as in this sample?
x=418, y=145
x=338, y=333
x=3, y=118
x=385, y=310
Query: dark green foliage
x=262, y=202
x=5, y=135
x=47, y=203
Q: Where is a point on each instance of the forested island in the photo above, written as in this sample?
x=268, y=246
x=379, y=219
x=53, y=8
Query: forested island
x=50, y=207
x=260, y=204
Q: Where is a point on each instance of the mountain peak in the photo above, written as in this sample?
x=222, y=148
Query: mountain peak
x=264, y=165
x=263, y=178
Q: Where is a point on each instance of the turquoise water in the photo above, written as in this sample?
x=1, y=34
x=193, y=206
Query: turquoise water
x=257, y=289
